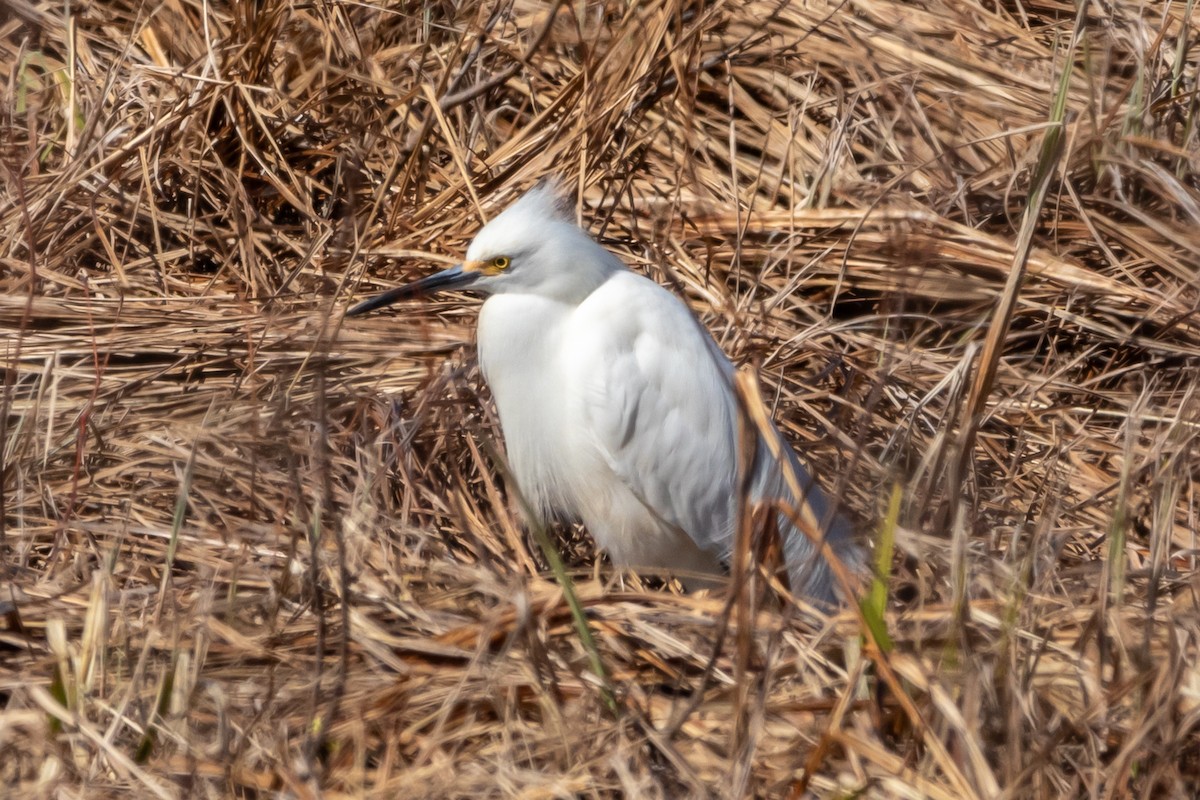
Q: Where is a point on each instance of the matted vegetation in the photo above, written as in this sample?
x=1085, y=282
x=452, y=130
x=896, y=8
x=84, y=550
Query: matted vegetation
x=251, y=549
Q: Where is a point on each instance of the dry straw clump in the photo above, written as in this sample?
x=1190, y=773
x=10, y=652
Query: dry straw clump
x=251, y=550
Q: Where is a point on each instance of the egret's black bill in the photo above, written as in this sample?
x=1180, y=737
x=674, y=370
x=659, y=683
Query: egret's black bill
x=453, y=278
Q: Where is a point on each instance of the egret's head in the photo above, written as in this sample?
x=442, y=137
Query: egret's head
x=533, y=247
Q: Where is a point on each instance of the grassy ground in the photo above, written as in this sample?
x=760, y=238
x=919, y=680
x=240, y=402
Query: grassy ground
x=249, y=548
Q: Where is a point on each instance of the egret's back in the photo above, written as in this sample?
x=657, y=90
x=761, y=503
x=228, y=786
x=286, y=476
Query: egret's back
x=651, y=407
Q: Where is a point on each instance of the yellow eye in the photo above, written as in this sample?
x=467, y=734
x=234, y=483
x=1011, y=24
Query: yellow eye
x=501, y=262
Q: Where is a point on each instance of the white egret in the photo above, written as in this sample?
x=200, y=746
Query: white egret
x=617, y=407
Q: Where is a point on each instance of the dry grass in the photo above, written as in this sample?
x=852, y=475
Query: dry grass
x=249, y=549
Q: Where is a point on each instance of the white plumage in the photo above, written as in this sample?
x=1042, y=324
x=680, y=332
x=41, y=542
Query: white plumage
x=617, y=406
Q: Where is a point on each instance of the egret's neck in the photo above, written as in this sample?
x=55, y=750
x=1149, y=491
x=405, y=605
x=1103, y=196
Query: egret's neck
x=519, y=356
x=581, y=270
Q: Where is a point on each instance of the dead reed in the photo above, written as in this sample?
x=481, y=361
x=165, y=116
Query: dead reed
x=250, y=550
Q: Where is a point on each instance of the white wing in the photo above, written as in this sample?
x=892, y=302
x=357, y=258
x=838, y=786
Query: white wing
x=652, y=393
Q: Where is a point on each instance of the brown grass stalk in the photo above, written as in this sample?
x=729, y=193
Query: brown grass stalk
x=266, y=550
